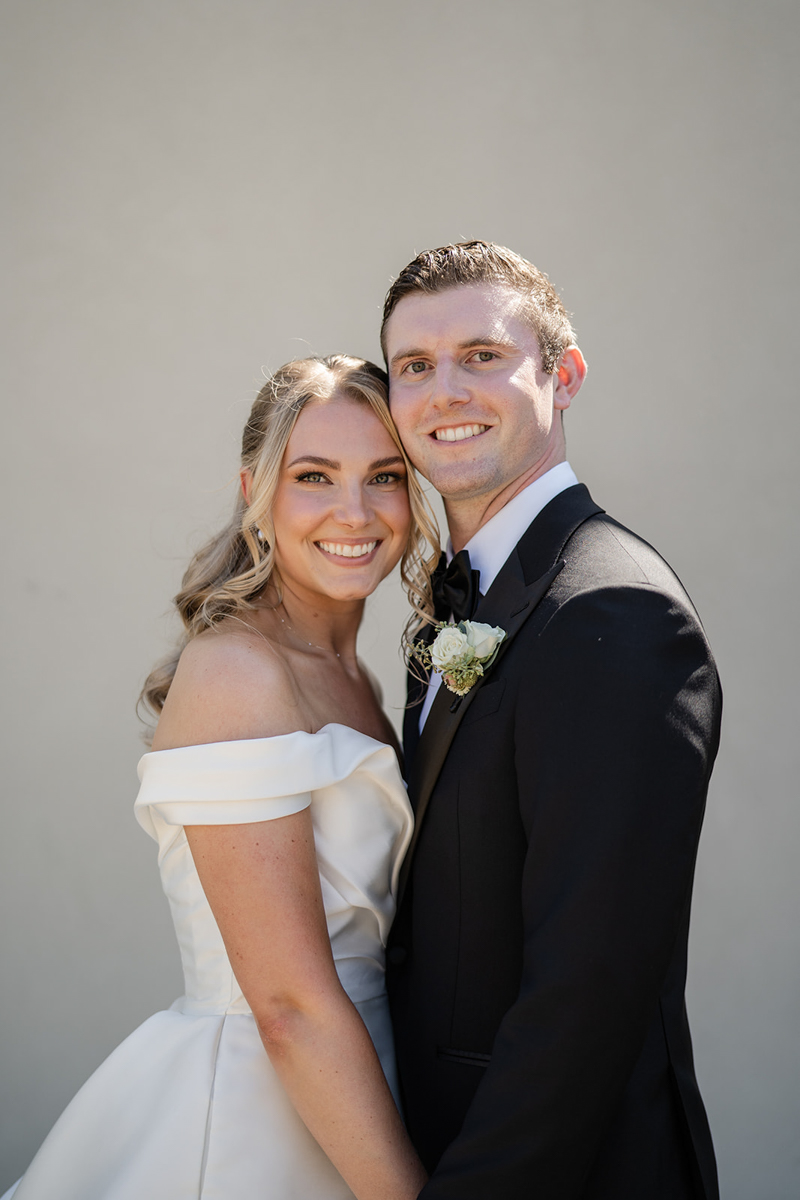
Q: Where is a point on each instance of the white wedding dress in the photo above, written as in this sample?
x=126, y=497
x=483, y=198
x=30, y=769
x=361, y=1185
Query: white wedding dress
x=189, y=1107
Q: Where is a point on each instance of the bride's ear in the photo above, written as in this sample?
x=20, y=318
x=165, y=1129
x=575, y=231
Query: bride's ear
x=246, y=483
x=569, y=377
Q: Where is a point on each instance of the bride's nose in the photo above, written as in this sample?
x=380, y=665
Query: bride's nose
x=353, y=508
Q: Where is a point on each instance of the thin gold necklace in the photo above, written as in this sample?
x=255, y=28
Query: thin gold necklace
x=313, y=645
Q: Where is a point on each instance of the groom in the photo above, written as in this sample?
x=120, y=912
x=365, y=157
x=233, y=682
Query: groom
x=538, y=960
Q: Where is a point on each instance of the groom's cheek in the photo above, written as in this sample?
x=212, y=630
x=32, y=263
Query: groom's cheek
x=412, y=442
x=399, y=411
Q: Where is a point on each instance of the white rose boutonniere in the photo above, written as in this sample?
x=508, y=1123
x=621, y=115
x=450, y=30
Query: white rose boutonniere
x=449, y=647
x=460, y=653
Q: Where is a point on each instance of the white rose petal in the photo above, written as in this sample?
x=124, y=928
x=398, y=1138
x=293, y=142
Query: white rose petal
x=483, y=638
x=450, y=646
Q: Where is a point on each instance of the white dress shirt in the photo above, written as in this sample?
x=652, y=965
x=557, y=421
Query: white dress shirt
x=492, y=544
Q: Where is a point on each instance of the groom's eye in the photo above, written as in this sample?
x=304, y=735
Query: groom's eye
x=416, y=368
x=484, y=356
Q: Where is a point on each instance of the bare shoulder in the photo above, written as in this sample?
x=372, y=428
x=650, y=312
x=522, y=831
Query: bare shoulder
x=230, y=684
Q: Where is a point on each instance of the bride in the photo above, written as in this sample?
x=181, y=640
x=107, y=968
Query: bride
x=274, y=794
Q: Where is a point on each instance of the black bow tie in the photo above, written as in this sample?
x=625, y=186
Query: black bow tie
x=455, y=588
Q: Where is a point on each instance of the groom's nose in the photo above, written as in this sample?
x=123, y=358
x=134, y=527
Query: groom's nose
x=449, y=385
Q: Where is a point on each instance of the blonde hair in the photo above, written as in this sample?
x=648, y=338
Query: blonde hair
x=234, y=566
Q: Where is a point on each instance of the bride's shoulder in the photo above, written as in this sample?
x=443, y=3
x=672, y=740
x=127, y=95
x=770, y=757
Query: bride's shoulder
x=233, y=657
x=229, y=685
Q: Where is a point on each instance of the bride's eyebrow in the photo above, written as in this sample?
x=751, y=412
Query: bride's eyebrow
x=319, y=462
x=386, y=462
x=335, y=466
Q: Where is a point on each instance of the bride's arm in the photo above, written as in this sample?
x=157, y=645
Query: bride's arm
x=262, y=883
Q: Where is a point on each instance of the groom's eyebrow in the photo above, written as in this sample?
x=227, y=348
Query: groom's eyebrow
x=490, y=340
x=487, y=340
x=405, y=354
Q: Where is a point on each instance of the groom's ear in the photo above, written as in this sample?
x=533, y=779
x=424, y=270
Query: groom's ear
x=569, y=377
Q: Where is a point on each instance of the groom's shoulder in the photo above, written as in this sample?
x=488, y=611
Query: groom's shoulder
x=605, y=548
x=617, y=594
x=602, y=552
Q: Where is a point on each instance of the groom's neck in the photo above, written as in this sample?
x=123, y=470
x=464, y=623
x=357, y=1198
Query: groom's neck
x=465, y=516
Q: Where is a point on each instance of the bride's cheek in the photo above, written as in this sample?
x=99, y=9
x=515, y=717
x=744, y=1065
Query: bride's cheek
x=401, y=525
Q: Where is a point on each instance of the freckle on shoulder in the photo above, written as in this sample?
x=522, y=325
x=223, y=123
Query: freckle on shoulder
x=229, y=685
x=240, y=658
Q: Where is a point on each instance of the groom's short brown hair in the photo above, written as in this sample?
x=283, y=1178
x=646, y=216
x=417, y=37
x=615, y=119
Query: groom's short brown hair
x=462, y=264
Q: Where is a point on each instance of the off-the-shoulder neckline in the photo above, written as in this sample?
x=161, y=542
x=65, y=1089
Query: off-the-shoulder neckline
x=278, y=737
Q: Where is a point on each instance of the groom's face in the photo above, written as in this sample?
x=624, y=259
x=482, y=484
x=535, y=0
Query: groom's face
x=468, y=394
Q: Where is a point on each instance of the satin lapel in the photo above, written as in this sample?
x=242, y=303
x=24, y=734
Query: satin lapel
x=509, y=608
x=411, y=720
x=416, y=687
x=508, y=603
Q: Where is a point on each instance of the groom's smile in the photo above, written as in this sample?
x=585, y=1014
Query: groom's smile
x=458, y=433
x=474, y=407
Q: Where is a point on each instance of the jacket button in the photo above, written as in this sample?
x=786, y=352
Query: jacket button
x=397, y=955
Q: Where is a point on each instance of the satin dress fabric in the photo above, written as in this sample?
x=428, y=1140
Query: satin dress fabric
x=189, y=1107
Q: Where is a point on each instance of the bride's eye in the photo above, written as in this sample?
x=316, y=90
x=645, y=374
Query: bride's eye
x=386, y=477
x=311, y=477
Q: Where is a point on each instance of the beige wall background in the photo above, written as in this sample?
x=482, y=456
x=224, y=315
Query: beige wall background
x=197, y=191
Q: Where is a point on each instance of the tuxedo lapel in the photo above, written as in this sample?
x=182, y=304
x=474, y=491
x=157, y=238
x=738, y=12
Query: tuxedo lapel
x=546, y=537
x=523, y=581
x=416, y=687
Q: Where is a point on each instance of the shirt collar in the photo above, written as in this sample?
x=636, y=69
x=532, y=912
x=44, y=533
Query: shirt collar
x=491, y=545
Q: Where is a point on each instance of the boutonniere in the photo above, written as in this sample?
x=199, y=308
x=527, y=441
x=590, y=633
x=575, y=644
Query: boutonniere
x=460, y=653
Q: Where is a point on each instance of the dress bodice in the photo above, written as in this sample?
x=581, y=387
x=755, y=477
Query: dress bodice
x=362, y=826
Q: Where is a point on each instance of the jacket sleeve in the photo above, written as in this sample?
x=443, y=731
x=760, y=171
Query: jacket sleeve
x=616, y=728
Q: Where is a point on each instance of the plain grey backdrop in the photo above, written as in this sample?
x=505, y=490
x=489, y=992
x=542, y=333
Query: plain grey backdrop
x=197, y=191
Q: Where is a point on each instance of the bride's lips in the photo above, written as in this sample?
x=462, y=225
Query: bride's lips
x=349, y=553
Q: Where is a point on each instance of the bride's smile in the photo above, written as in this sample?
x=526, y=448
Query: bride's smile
x=341, y=512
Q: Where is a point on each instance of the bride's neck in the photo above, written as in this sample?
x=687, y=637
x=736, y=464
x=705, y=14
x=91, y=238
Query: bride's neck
x=331, y=626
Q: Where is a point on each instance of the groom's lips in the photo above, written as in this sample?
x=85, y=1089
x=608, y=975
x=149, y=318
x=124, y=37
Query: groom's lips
x=459, y=433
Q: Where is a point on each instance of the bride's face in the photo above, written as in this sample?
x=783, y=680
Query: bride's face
x=341, y=513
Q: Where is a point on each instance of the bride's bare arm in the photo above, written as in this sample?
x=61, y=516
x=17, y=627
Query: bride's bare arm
x=262, y=883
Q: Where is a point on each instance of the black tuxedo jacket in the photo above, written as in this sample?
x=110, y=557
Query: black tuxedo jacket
x=537, y=964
